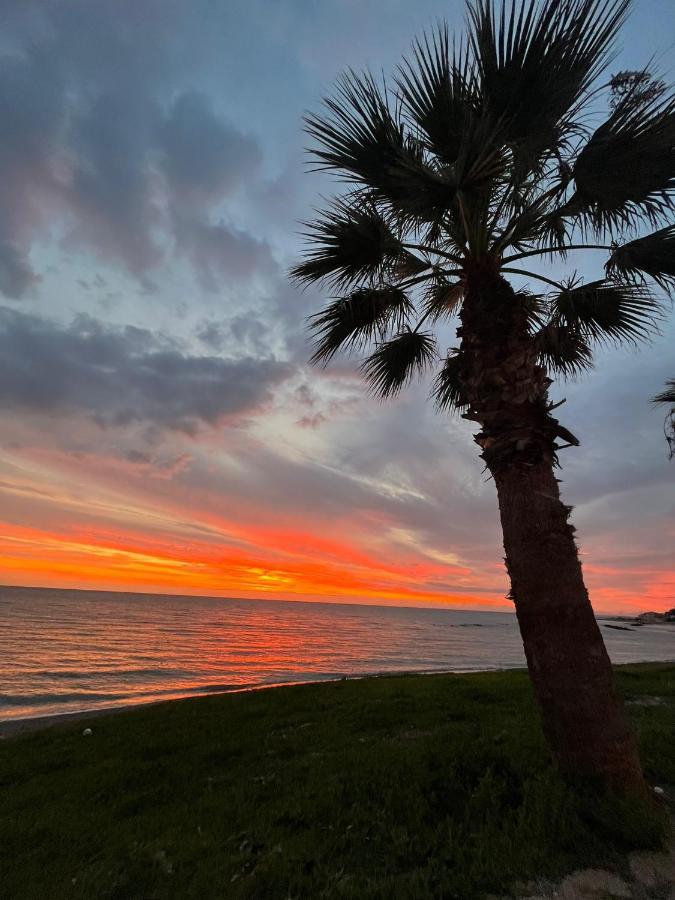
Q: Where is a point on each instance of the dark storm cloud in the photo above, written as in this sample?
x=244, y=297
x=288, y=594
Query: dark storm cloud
x=125, y=375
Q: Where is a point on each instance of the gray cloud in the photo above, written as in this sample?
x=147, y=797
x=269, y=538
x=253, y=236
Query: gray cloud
x=203, y=156
x=96, y=141
x=111, y=196
x=16, y=275
x=246, y=332
x=126, y=375
x=219, y=251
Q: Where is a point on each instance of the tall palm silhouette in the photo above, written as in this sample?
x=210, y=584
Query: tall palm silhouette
x=474, y=162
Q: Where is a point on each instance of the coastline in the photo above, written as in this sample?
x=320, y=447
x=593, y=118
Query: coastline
x=31, y=724
x=310, y=789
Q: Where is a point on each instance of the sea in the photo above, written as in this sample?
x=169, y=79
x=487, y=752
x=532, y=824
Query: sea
x=68, y=651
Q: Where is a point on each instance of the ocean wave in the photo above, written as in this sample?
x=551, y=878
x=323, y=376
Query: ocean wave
x=116, y=673
x=59, y=698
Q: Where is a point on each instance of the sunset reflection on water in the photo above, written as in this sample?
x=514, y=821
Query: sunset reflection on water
x=69, y=650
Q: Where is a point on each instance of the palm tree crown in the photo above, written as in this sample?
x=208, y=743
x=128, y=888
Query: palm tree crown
x=479, y=155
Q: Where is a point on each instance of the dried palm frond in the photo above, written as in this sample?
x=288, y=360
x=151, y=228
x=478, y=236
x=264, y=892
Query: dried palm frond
x=442, y=299
x=563, y=349
x=447, y=390
x=668, y=396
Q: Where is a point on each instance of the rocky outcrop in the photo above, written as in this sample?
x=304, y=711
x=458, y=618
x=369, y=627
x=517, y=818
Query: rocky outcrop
x=655, y=618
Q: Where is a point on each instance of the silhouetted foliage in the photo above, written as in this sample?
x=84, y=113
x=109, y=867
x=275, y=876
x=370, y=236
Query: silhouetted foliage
x=478, y=155
x=479, y=151
x=668, y=396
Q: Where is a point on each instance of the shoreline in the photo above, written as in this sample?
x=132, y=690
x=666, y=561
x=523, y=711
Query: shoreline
x=30, y=724
x=311, y=789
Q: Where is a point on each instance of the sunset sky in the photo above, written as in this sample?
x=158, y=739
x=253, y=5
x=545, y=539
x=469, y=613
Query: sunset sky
x=160, y=428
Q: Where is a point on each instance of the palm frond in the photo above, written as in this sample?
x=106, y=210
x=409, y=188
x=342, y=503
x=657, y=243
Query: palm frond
x=639, y=86
x=563, y=349
x=348, y=243
x=627, y=168
x=439, y=93
x=607, y=312
x=536, y=59
x=652, y=255
x=667, y=396
x=352, y=321
x=365, y=142
x=535, y=307
x=397, y=361
x=447, y=390
x=407, y=265
x=442, y=298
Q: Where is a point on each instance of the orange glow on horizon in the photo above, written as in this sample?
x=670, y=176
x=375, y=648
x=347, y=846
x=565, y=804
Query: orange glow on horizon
x=100, y=532
x=48, y=560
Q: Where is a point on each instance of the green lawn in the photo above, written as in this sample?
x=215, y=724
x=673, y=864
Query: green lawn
x=400, y=787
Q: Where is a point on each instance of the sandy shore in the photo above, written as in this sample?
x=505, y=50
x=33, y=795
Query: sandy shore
x=11, y=727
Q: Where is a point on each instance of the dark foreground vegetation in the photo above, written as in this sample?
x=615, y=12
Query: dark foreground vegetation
x=399, y=787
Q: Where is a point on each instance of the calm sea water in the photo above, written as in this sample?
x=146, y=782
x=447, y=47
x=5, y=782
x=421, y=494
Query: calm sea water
x=63, y=651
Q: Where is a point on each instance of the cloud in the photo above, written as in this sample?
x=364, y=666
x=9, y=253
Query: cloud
x=220, y=252
x=119, y=376
x=203, y=157
x=100, y=147
x=16, y=274
x=247, y=332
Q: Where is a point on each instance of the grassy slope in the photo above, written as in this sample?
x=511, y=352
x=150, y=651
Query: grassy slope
x=402, y=787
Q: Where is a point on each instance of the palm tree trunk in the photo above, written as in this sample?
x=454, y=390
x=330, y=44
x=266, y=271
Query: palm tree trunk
x=583, y=718
x=506, y=392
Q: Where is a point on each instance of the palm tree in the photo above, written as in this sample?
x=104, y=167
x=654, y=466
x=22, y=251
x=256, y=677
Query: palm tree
x=668, y=396
x=475, y=162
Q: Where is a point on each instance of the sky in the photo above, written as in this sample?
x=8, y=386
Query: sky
x=161, y=430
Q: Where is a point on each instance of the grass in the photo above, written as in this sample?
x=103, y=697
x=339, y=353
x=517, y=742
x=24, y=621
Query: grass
x=400, y=787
